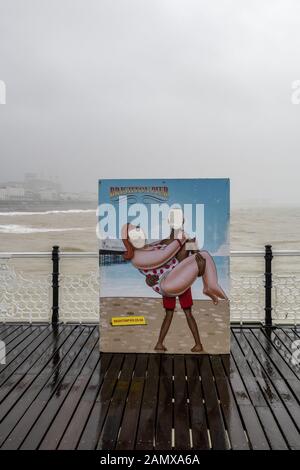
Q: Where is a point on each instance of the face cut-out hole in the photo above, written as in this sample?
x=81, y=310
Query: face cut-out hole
x=175, y=218
x=137, y=237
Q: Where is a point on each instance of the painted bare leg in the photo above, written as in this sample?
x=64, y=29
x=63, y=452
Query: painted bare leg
x=211, y=287
x=201, y=262
x=164, y=330
x=187, y=271
x=181, y=277
x=194, y=329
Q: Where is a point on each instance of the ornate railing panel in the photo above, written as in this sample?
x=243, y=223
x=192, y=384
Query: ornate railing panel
x=27, y=295
x=23, y=296
x=79, y=297
x=247, y=298
x=286, y=299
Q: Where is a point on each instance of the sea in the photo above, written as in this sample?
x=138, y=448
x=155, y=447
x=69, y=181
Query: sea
x=72, y=226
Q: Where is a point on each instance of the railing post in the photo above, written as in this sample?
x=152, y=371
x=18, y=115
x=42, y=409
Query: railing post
x=55, y=284
x=268, y=285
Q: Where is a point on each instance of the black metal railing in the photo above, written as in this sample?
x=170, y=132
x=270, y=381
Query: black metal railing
x=55, y=284
x=58, y=285
x=268, y=255
x=268, y=285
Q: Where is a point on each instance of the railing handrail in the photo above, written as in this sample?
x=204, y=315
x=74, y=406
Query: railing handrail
x=46, y=254
x=95, y=254
x=56, y=255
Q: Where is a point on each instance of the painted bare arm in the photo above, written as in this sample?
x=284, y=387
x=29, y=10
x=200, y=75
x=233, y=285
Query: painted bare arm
x=152, y=258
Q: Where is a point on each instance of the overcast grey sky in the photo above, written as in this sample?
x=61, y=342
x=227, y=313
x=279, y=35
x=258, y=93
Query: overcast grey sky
x=152, y=88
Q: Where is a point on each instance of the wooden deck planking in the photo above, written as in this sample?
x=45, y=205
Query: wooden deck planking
x=51, y=398
x=147, y=419
x=78, y=422
x=130, y=420
x=164, y=414
x=198, y=418
x=91, y=434
x=267, y=378
x=21, y=402
x=57, y=391
x=110, y=431
x=232, y=418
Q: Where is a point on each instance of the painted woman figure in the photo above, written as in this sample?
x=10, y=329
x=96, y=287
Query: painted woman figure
x=170, y=270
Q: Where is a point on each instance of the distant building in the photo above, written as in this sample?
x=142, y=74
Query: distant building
x=85, y=196
x=12, y=192
x=38, y=188
x=69, y=196
x=34, y=188
x=47, y=195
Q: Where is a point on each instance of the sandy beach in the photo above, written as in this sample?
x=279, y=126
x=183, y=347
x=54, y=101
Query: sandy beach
x=212, y=320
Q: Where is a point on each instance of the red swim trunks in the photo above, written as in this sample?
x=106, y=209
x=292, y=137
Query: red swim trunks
x=185, y=300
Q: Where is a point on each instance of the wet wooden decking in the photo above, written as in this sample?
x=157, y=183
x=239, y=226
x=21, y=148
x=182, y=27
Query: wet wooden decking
x=57, y=392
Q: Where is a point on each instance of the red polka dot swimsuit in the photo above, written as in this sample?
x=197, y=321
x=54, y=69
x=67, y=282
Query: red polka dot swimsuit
x=161, y=271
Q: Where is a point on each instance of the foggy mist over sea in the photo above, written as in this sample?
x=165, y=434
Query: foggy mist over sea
x=167, y=88
x=149, y=228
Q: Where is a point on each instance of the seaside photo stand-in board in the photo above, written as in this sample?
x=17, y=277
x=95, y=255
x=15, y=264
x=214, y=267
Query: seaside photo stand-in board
x=164, y=265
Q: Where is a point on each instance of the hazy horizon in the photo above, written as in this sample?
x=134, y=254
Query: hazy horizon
x=167, y=88
x=249, y=203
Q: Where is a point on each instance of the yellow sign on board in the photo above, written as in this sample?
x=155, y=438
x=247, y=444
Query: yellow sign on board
x=128, y=321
